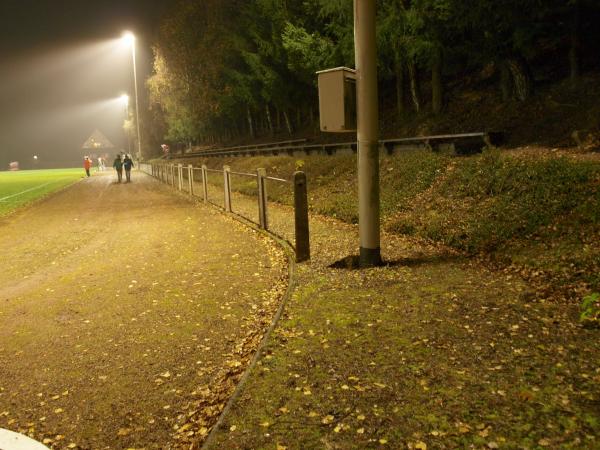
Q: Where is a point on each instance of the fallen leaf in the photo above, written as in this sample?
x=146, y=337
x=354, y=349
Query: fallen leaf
x=327, y=419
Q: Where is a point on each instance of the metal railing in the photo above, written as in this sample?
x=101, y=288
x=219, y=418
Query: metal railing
x=210, y=184
x=476, y=140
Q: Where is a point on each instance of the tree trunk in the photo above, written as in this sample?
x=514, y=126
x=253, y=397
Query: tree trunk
x=574, y=50
x=311, y=116
x=268, y=115
x=288, y=124
x=298, y=118
x=505, y=82
x=414, y=85
x=437, y=87
x=278, y=117
x=399, y=69
x=250, y=124
x=521, y=77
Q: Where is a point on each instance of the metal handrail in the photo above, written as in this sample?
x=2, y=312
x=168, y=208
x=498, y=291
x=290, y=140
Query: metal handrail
x=488, y=137
x=278, y=179
x=243, y=174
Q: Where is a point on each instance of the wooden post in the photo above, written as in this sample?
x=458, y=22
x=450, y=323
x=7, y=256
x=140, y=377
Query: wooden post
x=191, y=179
x=301, y=217
x=227, y=187
x=204, y=183
x=262, y=199
x=173, y=175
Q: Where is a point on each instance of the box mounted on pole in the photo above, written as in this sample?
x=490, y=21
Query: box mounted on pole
x=337, y=99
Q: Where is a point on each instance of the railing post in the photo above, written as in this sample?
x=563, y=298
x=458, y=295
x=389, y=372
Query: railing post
x=227, y=187
x=180, y=176
x=173, y=175
x=262, y=198
x=191, y=179
x=301, y=217
x=205, y=183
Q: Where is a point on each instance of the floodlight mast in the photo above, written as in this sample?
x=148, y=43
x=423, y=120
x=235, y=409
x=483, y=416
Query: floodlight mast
x=367, y=132
x=129, y=40
x=124, y=99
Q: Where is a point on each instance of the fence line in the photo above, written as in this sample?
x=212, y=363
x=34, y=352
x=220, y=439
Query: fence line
x=183, y=178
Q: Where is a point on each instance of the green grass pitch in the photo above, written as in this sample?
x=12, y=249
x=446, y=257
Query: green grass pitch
x=22, y=187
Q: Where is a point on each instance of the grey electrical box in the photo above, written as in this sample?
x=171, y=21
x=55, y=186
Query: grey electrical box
x=337, y=99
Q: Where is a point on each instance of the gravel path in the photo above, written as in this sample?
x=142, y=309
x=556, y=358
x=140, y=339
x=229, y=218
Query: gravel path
x=127, y=314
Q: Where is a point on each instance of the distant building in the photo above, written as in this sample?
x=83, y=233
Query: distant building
x=97, y=141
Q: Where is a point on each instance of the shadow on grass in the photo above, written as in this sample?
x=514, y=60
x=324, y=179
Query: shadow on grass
x=352, y=262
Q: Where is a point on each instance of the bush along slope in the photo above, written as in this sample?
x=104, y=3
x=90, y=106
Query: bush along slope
x=539, y=215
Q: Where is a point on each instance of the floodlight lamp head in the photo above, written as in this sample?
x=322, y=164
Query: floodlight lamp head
x=128, y=38
x=124, y=99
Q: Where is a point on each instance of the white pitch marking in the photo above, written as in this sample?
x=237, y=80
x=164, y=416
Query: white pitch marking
x=26, y=191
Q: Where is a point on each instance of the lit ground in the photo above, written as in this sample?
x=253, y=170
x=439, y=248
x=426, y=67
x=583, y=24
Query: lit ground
x=120, y=305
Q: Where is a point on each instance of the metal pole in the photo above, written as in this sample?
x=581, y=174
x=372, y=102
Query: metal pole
x=180, y=176
x=205, y=183
x=191, y=179
x=227, y=187
x=367, y=132
x=262, y=198
x=137, y=105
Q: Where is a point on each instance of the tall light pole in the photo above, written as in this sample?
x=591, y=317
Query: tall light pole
x=129, y=39
x=125, y=102
x=367, y=132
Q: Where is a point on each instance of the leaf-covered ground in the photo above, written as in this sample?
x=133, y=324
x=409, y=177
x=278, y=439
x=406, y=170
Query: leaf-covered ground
x=433, y=351
x=127, y=315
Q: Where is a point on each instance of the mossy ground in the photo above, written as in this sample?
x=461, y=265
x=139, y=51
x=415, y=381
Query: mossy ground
x=436, y=350
x=431, y=351
x=531, y=209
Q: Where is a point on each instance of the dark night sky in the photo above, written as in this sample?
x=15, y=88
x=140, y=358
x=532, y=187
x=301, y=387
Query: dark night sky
x=58, y=68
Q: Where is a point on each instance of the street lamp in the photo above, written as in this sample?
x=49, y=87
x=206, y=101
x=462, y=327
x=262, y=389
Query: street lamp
x=128, y=39
x=124, y=99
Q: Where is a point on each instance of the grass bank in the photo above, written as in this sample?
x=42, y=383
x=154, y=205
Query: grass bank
x=536, y=213
x=25, y=186
x=433, y=351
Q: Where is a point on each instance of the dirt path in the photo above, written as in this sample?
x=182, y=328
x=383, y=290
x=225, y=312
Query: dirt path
x=126, y=315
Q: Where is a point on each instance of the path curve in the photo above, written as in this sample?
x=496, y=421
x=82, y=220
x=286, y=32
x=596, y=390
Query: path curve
x=127, y=315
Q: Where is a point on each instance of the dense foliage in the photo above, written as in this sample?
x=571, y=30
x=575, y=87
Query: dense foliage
x=230, y=68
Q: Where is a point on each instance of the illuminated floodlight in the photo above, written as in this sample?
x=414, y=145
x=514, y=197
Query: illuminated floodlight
x=35, y=157
x=124, y=99
x=128, y=38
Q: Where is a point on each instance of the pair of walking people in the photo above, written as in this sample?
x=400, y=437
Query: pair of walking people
x=121, y=163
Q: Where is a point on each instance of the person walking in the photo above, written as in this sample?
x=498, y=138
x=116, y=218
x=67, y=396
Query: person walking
x=118, y=166
x=128, y=164
x=87, y=164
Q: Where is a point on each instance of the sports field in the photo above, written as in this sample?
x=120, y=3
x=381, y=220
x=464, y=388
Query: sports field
x=22, y=187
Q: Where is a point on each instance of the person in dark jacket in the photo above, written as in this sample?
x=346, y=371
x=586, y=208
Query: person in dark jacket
x=128, y=164
x=118, y=165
